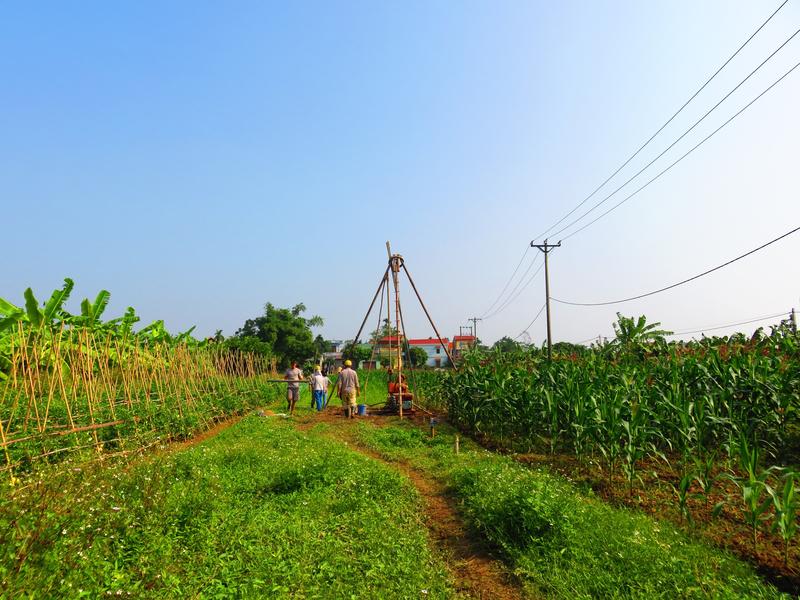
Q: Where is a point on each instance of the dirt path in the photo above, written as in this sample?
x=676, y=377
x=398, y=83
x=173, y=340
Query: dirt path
x=476, y=573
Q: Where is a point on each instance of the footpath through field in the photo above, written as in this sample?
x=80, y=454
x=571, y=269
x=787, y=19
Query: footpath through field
x=320, y=507
x=510, y=530
x=476, y=573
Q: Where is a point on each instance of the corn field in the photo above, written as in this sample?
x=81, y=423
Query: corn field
x=720, y=408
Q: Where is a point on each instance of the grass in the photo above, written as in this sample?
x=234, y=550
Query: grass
x=258, y=511
x=561, y=543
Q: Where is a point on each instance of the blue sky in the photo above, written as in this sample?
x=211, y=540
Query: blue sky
x=200, y=159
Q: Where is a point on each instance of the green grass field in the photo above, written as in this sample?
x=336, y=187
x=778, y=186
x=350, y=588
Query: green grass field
x=261, y=510
x=561, y=543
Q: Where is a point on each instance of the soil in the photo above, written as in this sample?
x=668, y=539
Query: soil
x=476, y=573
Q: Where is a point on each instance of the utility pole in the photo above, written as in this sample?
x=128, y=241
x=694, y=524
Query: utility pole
x=547, y=248
x=793, y=320
x=475, y=327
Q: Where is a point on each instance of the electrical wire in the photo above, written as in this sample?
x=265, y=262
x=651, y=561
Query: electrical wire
x=716, y=327
x=528, y=326
x=510, y=279
x=703, y=141
x=660, y=129
x=517, y=290
x=591, y=339
x=522, y=289
x=674, y=285
x=696, y=123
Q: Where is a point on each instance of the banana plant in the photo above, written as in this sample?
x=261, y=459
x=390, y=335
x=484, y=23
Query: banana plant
x=33, y=315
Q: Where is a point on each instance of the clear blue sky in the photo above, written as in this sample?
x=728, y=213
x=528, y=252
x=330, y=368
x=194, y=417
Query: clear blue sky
x=200, y=159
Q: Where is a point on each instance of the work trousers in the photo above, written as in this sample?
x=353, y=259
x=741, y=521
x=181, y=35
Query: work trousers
x=319, y=399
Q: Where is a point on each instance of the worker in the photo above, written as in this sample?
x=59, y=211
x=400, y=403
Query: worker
x=319, y=387
x=348, y=388
x=336, y=388
x=293, y=375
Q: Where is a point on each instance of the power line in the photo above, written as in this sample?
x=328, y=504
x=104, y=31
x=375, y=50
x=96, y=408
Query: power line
x=510, y=279
x=591, y=339
x=674, y=285
x=522, y=289
x=660, y=129
x=716, y=327
x=668, y=148
x=528, y=326
x=711, y=328
x=692, y=149
x=515, y=293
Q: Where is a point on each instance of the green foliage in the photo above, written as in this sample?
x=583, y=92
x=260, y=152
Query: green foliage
x=356, y=352
x=634, y=335
x=385, y=330
x=786, y=503
x=417, y=356
x=286, y=332
x=560, y=543
x=259, y=511
x=248, y=344
x=506, y=344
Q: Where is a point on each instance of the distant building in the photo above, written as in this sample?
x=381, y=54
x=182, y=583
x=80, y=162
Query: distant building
x=332, y=360
x=386, y=349
x=460, y=344
x=437, y=354
x=336, y=345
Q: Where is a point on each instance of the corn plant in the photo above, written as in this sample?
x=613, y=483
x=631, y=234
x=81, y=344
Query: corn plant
x=756, y=493
x=786, y=503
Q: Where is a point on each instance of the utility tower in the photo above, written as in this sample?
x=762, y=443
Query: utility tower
x=547, y=248
x=475, y=327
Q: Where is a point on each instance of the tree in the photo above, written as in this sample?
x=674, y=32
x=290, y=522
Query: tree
x=417, y=356
x=385, y=330
x=285, y=331
x=321, y=345
x=248, y=344
x=568, y=348
x=356, y=352
x=506, y=344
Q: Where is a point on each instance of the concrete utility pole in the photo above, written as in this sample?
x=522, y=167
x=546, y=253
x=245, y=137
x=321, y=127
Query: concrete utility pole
x=793, y=320
x=475, y=327
x=547, y=248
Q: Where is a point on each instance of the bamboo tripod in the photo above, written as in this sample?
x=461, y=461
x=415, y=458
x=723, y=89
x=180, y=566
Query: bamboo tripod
x=395, y=266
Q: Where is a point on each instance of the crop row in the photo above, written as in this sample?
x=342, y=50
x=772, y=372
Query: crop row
x=702, y=408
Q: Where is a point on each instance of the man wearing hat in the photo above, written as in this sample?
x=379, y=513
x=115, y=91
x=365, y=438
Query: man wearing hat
x=347, y=387
x=319, y=386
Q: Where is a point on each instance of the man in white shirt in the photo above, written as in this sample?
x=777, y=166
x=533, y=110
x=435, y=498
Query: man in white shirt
x=319, y=387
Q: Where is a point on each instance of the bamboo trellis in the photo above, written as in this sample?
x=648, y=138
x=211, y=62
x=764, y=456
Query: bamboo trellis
x=73, y=389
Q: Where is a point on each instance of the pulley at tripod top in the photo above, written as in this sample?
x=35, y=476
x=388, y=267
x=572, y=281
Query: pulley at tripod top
x=396, y=262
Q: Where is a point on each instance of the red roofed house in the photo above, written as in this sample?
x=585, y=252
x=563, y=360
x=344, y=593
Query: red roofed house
x=437, y=355
x=460, y=344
